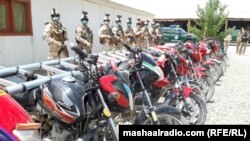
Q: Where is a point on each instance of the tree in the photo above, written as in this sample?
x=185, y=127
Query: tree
x=211, y=20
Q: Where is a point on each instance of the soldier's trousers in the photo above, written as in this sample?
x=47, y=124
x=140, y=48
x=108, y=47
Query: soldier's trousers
x=226, y=43
x=243, y=47
x=237, y=46
x=56, y=52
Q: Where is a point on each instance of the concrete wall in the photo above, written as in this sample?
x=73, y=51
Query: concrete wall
x=17, y=50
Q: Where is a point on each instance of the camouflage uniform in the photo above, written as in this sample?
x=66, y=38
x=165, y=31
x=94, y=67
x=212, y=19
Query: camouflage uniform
x=147, y=37
x=159, y=37
x=56, y=36
x=84, y=36
x=106, y=37
x=227, y=41
x=243, y=44
x=130, y=36
x=139, y=34
x=152, y=33
x=118, y=34
x=238, y=41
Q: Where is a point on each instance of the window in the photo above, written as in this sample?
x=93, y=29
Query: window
x=15, y=17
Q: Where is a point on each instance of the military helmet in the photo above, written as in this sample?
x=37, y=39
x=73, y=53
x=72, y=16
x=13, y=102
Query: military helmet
x=54, y=13
x=147, y=22
x=138, y=22
x=106, y=18
x=84, y=17
x=153, y=23
x=129, y=21
x=118, y=18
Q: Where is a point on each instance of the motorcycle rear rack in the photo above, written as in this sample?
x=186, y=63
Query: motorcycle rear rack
x=57, y=67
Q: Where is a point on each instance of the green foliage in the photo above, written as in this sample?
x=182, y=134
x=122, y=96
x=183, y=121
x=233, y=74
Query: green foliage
x=211, y=20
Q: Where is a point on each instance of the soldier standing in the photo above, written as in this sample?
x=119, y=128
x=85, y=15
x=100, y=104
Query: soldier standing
x=129, y=33
x=159, y=37
x=56, y=36
x=106, y=34
x=139, y=34
x=147, y=37
x=118, y=33
x=84, y=36
x=244, y=41
x=227, y=41
x=152, y=34
x=238, y=41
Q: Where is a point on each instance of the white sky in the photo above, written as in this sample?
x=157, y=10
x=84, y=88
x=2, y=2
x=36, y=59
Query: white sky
x=186, y=8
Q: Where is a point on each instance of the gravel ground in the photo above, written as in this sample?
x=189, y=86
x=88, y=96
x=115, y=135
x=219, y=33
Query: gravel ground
x=231, y=101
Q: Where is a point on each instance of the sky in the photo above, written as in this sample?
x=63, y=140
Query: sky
x=186, y=8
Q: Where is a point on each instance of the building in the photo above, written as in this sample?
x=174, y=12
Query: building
x=22, y=25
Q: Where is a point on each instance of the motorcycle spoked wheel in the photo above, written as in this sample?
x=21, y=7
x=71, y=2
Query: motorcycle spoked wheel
x=165, y=118
x=198, y=90
x=195, y=111
x=207, y=83
x=216, y=72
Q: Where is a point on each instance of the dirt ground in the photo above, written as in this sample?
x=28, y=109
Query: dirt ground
x=231, y=102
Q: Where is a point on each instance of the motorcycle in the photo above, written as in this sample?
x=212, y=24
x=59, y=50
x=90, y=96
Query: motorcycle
x=16, y=124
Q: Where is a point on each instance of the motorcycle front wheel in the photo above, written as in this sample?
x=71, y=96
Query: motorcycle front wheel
x=166, y=116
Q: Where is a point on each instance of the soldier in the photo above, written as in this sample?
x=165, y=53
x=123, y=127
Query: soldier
x=152, y=34
x=147, y=37
x=159, y=37
x=56, y=36
x=84, y=36
x=106, y=35
x=118, y=33
x=129, y=33
x=227, y=41
x=139, y=34
x=244, y=41
x=238, y=41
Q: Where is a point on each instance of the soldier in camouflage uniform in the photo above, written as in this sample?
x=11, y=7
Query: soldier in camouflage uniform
x=152, y=34
x=159, y=37
x=56, y=36
x=147, y=37
x=129, y=33
x=139, y=34
x=84, y=36
x=106, y=35
x=118, y=34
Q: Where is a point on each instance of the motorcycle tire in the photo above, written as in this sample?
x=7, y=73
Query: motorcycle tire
x=165, y=117
x=193, y=99
x=211, y=89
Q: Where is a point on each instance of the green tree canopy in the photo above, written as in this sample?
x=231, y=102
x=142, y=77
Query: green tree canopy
x=211, y=20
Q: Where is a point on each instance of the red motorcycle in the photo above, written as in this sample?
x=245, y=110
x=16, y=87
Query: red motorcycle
x=179, y=93
x=15, y=123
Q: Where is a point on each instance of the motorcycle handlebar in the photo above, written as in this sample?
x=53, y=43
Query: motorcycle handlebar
x=82, y=54
x=133, y=50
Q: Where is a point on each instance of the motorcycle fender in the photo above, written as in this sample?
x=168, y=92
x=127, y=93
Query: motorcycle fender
x=209, y=62
x=215, y=60
x=201, y=74
x=200, y=68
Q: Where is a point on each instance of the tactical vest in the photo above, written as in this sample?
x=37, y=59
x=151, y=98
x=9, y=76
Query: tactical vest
x=86, y=34
x=58, y=32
